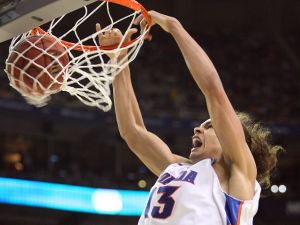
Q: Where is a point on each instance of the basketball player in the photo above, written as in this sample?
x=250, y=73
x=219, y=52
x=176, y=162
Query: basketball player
x=220, y=182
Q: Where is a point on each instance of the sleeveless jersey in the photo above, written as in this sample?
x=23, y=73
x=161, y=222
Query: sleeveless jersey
x=187, y=194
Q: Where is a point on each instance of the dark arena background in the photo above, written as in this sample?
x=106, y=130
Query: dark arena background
x=255, y=46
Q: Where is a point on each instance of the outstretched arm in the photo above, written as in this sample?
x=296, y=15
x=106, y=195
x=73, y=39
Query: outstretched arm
x=151, y=150
x=224, y=119
x=227, y=125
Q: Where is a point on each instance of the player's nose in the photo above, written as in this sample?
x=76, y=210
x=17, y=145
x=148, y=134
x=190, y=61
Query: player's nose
x=198, y=130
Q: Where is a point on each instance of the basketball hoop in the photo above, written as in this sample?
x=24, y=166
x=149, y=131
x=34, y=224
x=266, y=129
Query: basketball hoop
x=89, y=72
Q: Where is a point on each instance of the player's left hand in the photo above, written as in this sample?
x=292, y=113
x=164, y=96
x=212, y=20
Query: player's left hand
x=164, y=21
x=113, y=37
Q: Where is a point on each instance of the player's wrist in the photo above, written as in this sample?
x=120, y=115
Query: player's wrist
x=173, y=25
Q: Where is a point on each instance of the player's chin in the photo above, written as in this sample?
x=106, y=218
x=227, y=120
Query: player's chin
x=195, y=155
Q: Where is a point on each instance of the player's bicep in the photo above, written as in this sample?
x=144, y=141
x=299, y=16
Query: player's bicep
x=229, y=130
x=151, y=150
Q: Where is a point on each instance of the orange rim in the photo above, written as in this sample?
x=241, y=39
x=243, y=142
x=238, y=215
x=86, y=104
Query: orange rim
x=127, y=3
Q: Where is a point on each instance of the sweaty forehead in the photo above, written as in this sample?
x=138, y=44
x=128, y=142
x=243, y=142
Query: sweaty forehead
x=205, y=122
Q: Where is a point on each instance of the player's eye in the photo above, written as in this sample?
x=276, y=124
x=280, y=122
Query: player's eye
x=208, y=125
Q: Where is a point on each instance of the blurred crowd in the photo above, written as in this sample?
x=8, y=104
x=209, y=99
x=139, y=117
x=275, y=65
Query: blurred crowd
x=90, y=163
x=257, y=74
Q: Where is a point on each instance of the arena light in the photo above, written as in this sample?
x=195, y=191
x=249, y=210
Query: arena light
x=282, y=188
x=274, y=188
x=142, y=184
x=72, y=198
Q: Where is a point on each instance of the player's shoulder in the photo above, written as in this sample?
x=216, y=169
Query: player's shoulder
x=181, y=166
x=208, y=161
x=178, y=166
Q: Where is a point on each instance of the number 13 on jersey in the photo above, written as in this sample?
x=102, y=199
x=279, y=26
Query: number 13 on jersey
x=166, y=200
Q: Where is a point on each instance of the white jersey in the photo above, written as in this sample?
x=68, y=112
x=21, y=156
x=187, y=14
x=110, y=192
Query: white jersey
x=187, y=194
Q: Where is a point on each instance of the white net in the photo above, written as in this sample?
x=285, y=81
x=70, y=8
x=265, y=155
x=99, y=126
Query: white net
x=37, y=66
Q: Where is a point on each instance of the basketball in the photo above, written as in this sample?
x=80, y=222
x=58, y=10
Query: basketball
x=37, y=65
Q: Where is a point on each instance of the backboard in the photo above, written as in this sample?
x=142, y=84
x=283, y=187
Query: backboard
x=19, y=16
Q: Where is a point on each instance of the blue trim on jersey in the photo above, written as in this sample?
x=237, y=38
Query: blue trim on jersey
x=232, y=209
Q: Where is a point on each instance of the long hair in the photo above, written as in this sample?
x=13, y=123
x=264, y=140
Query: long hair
x=264, y=152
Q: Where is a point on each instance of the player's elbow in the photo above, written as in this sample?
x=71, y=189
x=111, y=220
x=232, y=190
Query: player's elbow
x=129, y=134
x=125, y=134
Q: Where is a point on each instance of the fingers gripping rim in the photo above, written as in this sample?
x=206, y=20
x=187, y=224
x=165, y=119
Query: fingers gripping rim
x=132, y=4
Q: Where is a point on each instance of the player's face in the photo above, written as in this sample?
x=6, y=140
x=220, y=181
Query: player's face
x=205, y=143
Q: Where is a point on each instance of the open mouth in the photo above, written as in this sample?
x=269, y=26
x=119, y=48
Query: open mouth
x=197, y=143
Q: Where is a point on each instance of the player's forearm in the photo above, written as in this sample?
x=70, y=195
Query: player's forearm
x=199, y=64
x=134, y=103
x=126, y=106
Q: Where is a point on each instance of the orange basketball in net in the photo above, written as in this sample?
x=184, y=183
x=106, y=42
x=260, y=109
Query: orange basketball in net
x=37, y=66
